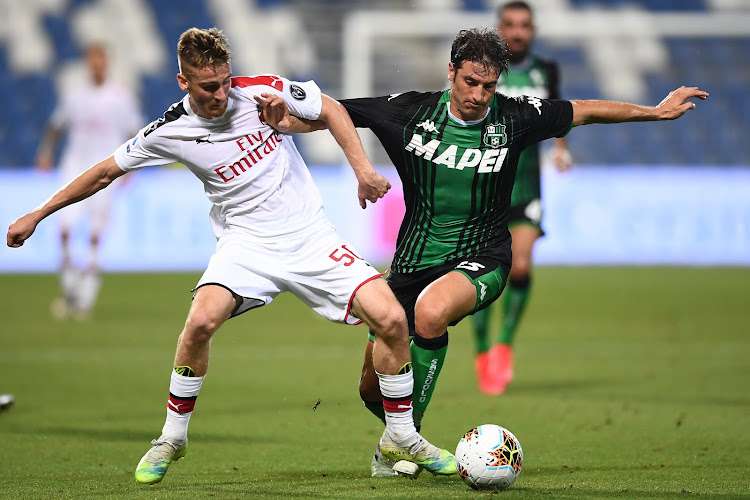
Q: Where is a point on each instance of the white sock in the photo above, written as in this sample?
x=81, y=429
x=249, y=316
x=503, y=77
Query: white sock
x=70, y=279
x=183, y=391
x=88, y=290
x=397, y=393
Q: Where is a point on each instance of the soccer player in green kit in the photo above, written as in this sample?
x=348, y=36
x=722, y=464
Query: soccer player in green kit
x=530, y=75
x=456, y=152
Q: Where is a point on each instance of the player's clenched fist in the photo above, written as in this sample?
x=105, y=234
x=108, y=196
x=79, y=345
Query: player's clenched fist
x=372, y=187
x=21, y=230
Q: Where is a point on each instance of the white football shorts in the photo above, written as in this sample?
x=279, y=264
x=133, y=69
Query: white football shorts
x=323, y=271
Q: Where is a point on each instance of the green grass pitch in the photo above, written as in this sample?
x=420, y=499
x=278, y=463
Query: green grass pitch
x=630, y=383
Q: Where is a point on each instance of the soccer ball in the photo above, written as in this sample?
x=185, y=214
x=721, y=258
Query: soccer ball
x=489, y=457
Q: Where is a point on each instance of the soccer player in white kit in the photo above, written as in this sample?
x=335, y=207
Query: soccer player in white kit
x=272, y=234
x=97, y=116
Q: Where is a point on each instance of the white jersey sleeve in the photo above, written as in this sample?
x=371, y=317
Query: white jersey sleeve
x=304, y=99
x=148, y=147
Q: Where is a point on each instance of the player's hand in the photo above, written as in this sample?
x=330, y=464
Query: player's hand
x=21, y=230
x=562, y=159
x=275, y=111
x=371, y=188
x=677, y=104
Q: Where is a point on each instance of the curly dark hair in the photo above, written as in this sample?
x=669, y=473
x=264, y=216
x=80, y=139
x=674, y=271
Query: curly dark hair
x=484, y=46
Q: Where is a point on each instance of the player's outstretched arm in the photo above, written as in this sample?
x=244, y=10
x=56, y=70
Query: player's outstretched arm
x=334, y=117
x=673, y=106
x=372, y=185
x=89, y=182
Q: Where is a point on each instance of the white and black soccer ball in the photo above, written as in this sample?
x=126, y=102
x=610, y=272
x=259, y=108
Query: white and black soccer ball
x=489, y=457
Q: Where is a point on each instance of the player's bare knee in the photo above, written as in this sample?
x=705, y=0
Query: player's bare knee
x=430, y=321
x=200, y=327
x=391, y=326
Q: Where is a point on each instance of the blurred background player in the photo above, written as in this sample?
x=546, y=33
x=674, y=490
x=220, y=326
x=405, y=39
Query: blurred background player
x=97, y=116
x=528, y=74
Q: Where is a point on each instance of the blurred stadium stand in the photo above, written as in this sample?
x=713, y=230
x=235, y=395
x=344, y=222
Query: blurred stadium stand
x=41, y=41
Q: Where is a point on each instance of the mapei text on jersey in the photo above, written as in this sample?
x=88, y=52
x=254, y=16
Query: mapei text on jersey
x=485, y=161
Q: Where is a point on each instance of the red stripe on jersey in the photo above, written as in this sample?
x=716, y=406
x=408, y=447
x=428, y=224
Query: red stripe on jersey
x=400, y=406
x=267, y=80
x=180, y=405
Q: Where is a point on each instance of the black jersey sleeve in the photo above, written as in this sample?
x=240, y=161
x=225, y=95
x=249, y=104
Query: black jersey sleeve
x=541, y=119
x=373, y=112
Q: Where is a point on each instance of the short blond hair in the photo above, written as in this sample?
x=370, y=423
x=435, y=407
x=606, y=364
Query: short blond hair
x=201, y=48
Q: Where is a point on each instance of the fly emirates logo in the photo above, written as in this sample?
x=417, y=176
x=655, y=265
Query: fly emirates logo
x=254, y=149
x=489, y=160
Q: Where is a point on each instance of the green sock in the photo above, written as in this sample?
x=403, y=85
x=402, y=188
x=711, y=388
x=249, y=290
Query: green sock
x=427, y=358
x=481, y=320
x=376, y=408
x=516, y=297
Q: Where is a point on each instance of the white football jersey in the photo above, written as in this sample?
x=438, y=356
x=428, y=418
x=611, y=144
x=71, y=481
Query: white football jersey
x=97, y=118
x=254, y=176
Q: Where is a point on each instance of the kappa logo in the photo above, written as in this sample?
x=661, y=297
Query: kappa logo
x=427, y=125
x=483, y=290
x=297, y=92
x=470, y=266
x=494, y=135
x=536, y=102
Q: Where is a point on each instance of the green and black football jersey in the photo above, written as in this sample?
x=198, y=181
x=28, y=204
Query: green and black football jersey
x=457, y=176
x=539, y=78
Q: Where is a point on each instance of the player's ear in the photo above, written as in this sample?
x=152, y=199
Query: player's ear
x=182, y=82
x=451, y=71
